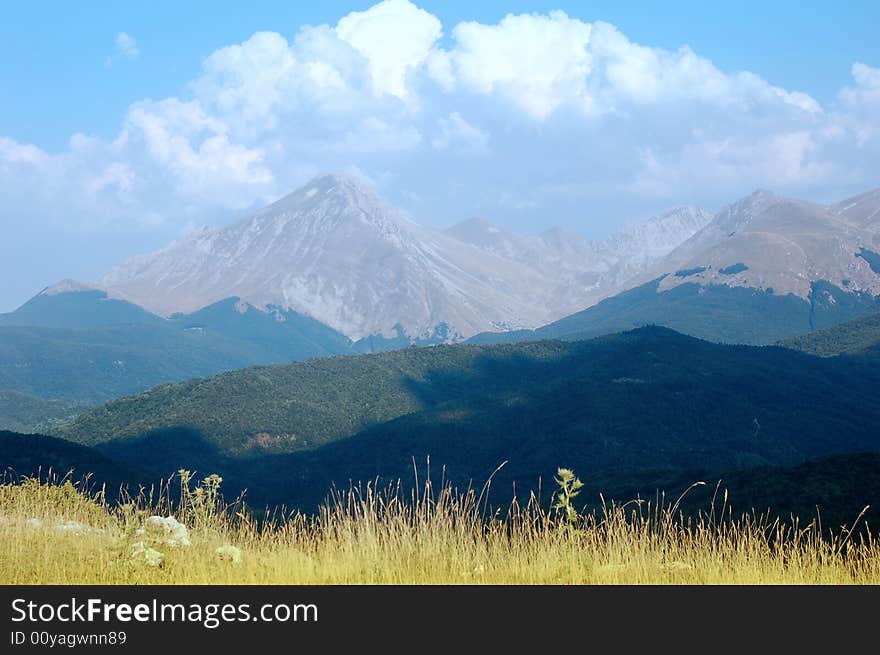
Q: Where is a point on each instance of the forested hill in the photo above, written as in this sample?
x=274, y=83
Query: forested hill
x=615, y=408
x=855, y=337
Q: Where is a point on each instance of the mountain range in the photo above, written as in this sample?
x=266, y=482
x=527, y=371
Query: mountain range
x=763, y=269
x=276, y=351
x=333, y=269
x=336, y=252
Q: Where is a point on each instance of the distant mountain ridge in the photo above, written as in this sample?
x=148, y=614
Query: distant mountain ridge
x=655, y=238
x=559, y=247
x=862, y=210
x=585, y=272
x=334, y=251
x=764, y=269
x=84, y=347
x=784, y=245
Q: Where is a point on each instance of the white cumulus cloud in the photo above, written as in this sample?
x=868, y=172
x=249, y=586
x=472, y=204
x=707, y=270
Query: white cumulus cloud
x=538, y=62
x=396, y=38
x=528, y=119
x=195, y=148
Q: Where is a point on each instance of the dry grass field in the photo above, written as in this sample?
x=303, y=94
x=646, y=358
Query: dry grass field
x=55, y=534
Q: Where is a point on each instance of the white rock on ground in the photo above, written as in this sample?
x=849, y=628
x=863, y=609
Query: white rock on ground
x=167, y=528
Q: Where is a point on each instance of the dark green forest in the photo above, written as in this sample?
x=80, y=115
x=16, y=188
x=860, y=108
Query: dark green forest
x=632, y=412
x=22, y=412
x=855, y=337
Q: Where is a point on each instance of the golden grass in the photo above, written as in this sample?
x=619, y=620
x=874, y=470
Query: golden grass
x=432, y=537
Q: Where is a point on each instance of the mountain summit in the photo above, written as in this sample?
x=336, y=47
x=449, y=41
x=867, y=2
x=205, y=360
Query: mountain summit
x=765, y=268
x=333, y=250
x=768, y=242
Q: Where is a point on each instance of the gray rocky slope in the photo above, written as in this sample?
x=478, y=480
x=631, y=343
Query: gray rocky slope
x=336, y=252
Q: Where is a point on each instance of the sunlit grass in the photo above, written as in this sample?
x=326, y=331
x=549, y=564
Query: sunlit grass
x=390, y=536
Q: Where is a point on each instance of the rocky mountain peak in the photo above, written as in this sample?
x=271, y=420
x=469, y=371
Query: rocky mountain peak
x=340, y=197
x=741, y=212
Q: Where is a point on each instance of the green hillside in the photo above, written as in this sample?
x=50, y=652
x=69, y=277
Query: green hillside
x=305, y=404
x=274, y=335
x=94, y=365
x=646, y=405
x=106, y=356
x=21, y=412
x=835, y=489
x=855, y=336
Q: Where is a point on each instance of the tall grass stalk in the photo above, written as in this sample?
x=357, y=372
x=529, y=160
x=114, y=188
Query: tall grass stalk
x=389, y=534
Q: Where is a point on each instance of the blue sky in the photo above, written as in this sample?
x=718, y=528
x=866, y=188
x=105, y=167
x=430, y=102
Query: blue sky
x=184, y=117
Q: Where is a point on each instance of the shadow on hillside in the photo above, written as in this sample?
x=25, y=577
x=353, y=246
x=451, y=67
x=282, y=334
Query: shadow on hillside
x=839, y=485
x=630, y=413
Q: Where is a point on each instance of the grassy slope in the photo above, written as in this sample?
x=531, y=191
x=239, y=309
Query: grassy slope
x=834, y=488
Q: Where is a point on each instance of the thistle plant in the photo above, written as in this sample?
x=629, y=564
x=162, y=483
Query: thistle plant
x=569, y=487
x=201, y=505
